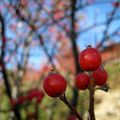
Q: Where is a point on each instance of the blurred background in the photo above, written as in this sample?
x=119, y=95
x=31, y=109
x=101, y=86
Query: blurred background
x=37, y=36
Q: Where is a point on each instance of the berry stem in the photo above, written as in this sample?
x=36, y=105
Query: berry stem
x=36, y=111
x=91, y=99
x=63, y=98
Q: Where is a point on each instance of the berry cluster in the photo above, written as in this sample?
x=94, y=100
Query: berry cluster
x=90, y=61
x=35, y=93
x=32, y=94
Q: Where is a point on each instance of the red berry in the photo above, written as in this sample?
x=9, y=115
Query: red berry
x=54, y=85
x=13, y=102
x=90, y=59
x=100, y=76
x=21, y=100
x=35, y=93
x=32, y=94
x=39, y=99
x=72, y=117
x=82, y=81
x=40, y=93
x=40, y=96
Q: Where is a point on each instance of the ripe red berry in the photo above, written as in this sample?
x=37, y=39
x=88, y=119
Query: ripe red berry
x=13, y=102
x=82, y=81
x=32, y=94
x=90, y=59
x=21, y=100
x=100, y=76
x=35, y=93
x=54, y=85
x=40, y=96
x=72, y=117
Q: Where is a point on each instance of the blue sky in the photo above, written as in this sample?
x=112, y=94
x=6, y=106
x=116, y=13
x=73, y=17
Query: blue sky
x=94, y=35
x=90, y=36
x=93, y=14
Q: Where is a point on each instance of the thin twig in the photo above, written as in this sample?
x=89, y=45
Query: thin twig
x=96, y=25
x=4, y=71
x=91, y=98
x=73, y=36
x=63, y=98
x=93, y=4
x=109, y=21
x=36, y=111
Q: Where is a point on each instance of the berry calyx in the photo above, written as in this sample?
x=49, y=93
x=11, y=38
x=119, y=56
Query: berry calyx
x=90, y=59
x=54, y=84
x=82, y=81
x=100, y=76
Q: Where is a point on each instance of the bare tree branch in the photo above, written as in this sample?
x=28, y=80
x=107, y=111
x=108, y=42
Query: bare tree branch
x=108, y=23
x=4, y=71
x=75, y=50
